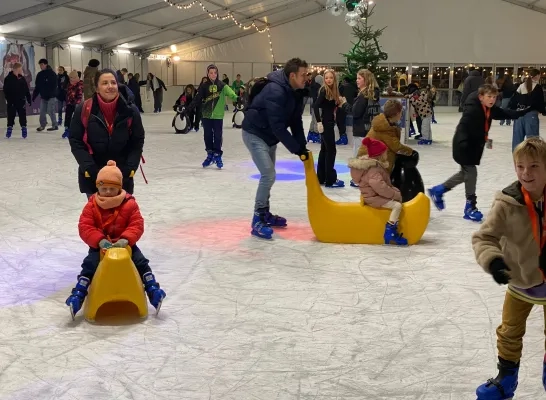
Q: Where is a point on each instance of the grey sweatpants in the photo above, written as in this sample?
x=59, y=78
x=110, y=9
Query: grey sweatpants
x=467, y=174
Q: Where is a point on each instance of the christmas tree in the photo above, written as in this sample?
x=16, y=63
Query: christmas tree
x=366, y=52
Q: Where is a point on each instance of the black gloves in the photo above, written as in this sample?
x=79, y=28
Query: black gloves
x=415, y=157
x=499, y=270
x=303, y=153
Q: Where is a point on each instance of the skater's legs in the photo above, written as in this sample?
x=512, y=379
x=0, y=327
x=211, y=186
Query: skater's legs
x=142, y=264
x=217, y=129
x=512, y=329
x=329, y=139
x=12, y=110
x=321, y=163
x=208, y=135
x=43, y=113
x=51, y=111
x=470, y=179
x=455, y=180
x=90, y=263
x=68, y=115
x=22, y=111
x=264, y=158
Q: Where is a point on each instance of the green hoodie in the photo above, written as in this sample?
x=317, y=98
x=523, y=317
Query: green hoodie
x=213, y=99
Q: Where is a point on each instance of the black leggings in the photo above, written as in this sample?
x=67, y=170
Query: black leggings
x=327, y=157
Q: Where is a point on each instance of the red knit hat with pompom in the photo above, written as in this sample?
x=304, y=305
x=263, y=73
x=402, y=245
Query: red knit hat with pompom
x=375, y=147
x=110, y=176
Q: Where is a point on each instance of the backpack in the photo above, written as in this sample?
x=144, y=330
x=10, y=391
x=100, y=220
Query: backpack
x=255, y=86
x=86, y=113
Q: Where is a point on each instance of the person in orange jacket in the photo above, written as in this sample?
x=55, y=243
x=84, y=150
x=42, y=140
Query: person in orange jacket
x=111, y=218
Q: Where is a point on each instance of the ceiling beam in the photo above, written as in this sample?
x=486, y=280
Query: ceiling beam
x=226, y=9
x=230, y=24
x=247, y=33
x=105, y=22
x=176, y=25
x=529, y=6
x=33, y=10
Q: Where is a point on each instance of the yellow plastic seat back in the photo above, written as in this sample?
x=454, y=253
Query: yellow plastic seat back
x=116, y=291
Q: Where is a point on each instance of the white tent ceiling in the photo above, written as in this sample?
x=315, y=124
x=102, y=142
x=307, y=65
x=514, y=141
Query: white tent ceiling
x=143, y=25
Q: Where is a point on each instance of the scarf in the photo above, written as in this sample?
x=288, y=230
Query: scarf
x=107, y=203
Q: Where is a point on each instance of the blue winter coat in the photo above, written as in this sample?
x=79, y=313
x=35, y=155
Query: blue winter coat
x=275, y=109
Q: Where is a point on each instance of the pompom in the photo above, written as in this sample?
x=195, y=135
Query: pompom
x=111, y=163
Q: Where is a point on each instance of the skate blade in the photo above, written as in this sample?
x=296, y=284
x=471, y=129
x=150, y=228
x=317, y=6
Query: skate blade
x=158, y=307
x=72, y=313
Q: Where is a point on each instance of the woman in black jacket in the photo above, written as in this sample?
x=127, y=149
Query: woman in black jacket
x=62, y=85
x=157, y=86
x=365, y=107
x=114, y=132
x=134, y=86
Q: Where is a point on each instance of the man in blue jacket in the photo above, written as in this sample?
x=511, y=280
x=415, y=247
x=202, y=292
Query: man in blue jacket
x=46, y=88
x=277, y=107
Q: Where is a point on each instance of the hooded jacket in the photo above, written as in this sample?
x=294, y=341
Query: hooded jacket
x=471, y=84
x=389, y=134
x=16, y=89
x=46, y=84
x=507, y=234
x=211, y=96
x=374, y=181
x=275, y=109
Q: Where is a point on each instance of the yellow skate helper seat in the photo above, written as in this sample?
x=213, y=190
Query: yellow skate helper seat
x=116, y=282
x=353, y=223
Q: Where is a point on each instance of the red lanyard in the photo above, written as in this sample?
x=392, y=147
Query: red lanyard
x=487, y=112
x=110, y=219
x=540, y=237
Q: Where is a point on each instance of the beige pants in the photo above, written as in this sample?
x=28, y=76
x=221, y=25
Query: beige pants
x=512, y=329
x=396, y=208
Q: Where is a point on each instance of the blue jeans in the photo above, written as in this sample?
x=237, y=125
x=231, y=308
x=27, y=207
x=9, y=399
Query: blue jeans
x=213, y=135
x=48, y=107
x=525, y=127
x=264, y=157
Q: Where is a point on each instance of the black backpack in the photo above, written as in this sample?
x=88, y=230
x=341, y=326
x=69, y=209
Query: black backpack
x=255, y=86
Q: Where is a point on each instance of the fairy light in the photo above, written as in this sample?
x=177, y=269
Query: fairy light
x=228, y=15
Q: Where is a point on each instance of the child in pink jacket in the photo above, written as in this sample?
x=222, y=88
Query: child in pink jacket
x=369, y=172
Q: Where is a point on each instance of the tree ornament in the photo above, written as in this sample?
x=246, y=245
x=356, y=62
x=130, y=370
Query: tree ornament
x=336, y=7
x=352, y=18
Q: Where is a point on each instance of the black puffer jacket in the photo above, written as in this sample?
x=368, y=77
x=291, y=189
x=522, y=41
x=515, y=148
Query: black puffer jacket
x=16, y=89
x=364, y=110
x=124, y=147
x=46, y=84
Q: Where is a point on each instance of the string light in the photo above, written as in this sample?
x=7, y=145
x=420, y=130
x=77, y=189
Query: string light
x=228, y=15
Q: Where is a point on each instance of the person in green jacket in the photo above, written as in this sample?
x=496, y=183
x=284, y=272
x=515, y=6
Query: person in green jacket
x=212, y=97
x=236, y=86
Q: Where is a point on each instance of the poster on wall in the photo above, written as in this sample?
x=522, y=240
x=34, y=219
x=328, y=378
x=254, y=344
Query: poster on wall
x=11, y=53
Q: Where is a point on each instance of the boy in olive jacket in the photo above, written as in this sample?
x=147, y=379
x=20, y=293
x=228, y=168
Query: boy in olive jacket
x=510, y=245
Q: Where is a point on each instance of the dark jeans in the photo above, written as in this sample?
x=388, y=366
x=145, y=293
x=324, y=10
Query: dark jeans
x=60, y=104
x=158, y=99
x=213, y=135
x=327, y=157
x=69, y=112
x=91, y=262
x=17, y=109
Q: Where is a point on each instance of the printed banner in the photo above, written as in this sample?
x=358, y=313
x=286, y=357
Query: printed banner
x=18, y=53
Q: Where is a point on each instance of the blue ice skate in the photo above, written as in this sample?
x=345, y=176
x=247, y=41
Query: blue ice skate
x=337, y=184
x=391, y=235
x=218, y=160
x=424, y=142
x=209, y=160
x=544, y=372
x=343, y=140
x=154, y=292
x=65, y=134
x=503, y=387
x=76, y=299
x=9, y=132
x=471, y=212
x=24, y=132
x=436, y=193
x=260, y=227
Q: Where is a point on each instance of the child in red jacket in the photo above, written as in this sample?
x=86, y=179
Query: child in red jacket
x=111, y=218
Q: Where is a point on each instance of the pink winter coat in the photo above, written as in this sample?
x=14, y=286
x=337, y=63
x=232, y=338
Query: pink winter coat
x=374, y=181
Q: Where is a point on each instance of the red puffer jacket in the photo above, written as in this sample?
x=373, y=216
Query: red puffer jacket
x=123, y=222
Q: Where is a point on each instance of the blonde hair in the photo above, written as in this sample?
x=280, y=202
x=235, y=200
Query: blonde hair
x=368, y=90
x=332, y=93
x=16, y=65
x=533, y=148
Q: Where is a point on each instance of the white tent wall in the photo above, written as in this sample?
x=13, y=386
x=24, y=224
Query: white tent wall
x=428, y=31
x=72, y=59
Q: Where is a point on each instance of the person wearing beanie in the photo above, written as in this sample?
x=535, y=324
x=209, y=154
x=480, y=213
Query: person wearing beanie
x=46, y=87
x=370, y=173
x=211, y=95
x=111, y=218
x=114, y=131
x=74, y=96
x=89, y=75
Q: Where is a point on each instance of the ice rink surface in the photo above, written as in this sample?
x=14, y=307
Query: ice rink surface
x=246, y=319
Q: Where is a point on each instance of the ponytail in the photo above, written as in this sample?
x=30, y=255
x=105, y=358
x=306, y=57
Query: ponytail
x=529, y=84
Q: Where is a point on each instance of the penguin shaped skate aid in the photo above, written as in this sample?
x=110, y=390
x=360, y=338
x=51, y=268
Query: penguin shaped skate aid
x=406, y=177
x=354, y=223
x=181, y=121
x=116, y=292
